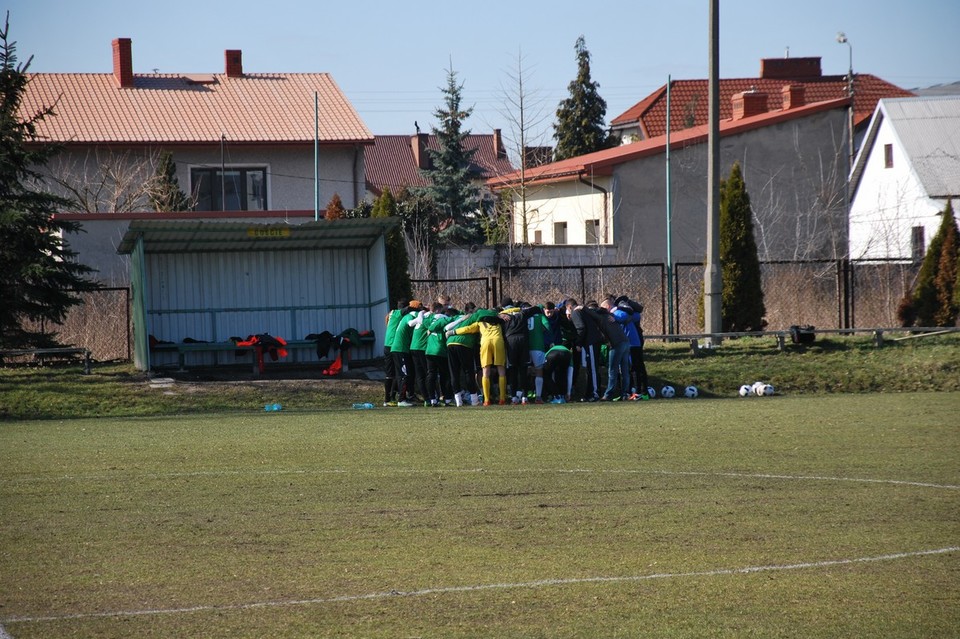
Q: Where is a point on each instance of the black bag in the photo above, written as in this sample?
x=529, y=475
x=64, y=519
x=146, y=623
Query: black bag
x=802, y=334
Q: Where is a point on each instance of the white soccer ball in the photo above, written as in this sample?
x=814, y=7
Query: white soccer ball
x=691, y=392
x=757, y=388
x=667, y=392
x=651, y=391
x=745, y=390
x=768, y=390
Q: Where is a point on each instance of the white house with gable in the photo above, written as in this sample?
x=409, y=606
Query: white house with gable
x=906, y=170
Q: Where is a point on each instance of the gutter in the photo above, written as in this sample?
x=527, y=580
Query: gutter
x=606, y=195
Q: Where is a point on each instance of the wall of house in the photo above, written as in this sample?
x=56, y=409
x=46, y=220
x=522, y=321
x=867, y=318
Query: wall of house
x=290, y=184
x=795, y=177
x=111, y=179
x=572, y=203
x=889, y=203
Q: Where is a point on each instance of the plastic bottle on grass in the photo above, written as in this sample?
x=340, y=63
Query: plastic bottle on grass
x=272, y=408
x=363, y=406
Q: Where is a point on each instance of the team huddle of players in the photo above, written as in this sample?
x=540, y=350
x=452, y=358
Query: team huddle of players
x=532, y=353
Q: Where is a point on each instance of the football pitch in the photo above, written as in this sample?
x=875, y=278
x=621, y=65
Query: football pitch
x=815, y=516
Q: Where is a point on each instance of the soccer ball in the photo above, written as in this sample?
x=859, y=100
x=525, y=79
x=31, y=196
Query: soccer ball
x=768, y=389
x=691, y=392
x=757, y=388
x=667, y=392
x=745, y=390
x=651, y=391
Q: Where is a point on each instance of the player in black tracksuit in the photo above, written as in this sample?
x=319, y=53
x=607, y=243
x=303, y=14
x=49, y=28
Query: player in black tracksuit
x=588, y=344
x=518, y=348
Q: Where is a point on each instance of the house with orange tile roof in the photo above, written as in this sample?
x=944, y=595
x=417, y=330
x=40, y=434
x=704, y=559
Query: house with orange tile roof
x=794, y=157
x=240, y=141
x=689, y=104
x=398, y=161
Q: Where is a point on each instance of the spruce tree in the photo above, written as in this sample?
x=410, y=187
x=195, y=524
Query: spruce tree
x=451, y=174
x=41, y=278
x=580, y=125
x=926, y=297
x=398, y=263
x=164, y=192
x=742, y=307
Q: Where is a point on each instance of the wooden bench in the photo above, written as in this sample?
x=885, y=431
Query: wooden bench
x=42, y=355
x=182, y=348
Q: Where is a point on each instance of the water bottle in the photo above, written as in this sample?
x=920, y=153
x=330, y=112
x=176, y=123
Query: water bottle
x=272, y=408
x=363, y=406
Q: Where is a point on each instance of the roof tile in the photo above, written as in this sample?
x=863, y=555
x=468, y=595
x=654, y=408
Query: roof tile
x=689, y=99
x=390, y=162
x=168, y=108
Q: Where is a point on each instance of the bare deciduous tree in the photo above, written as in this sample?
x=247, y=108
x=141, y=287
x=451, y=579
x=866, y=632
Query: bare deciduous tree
x=104, y=180
x=527, y=118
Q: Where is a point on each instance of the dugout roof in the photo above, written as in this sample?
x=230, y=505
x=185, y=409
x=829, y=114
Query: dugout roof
x=194, y=236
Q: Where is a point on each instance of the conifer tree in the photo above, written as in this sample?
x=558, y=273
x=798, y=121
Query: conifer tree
x=398, y=263
x=164, y=192
x=41, y=278
x=452, y=173
x=946, y=314
x=932, y=289
x=580, y=125
x=742, y=307
x=335, y=210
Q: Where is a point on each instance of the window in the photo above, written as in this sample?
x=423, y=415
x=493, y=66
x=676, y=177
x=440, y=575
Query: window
x=888, y=156
x=559, y=232
x=242, y=189
x=592, y=231
x=538, y=237
x=917, y=244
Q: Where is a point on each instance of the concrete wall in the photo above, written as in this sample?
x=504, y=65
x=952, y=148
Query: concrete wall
x=795, y=174
x=795, y=177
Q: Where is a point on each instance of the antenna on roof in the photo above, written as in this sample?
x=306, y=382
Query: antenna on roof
x=787, y=52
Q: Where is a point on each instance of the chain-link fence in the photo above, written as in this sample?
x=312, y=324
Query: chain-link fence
x=826, y=294
x=101, y=324
x=823, y=293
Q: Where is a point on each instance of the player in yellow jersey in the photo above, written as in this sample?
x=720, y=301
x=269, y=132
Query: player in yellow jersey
x=493, y=350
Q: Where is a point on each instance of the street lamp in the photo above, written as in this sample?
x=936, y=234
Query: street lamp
x=842, y=39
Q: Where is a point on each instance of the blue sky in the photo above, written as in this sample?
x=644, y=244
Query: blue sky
x=391, y=58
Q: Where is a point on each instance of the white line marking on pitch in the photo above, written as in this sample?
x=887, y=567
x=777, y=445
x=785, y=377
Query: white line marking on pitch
x=481, y=587
x=3, y=633
x=481, y=471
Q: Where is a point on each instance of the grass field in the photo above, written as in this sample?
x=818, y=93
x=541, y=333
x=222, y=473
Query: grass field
x=805, y=516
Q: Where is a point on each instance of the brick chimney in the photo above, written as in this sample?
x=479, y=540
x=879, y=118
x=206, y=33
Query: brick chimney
x=793, y=96
x=418, y=143
x=123, y=62
x=749, y=103
x=790, y=68
x=498, y=150
x=234, y=63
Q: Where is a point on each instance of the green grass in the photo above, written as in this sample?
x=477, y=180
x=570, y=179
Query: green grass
x=837, y=365
x=300, y=524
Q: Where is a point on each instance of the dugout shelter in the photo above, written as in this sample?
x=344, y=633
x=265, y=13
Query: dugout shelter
x=208, y=281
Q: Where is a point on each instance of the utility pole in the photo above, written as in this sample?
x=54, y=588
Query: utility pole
x=842, y=39
x=712, y=277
